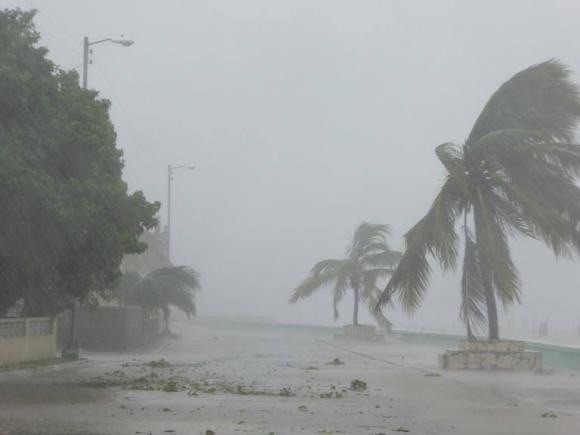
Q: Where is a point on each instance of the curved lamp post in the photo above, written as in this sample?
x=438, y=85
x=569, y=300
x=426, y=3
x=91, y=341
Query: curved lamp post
x=86, y=48
x=71, y=350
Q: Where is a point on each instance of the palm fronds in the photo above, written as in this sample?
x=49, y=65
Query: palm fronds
x=368, y=237
x=323, y=273
x=433, y=235
x=516, y=174
x=168, y=286
x=369, y=259
x=539, y=98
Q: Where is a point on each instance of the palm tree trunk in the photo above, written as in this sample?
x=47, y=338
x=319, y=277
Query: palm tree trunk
x=492, y=315
x=356, y=300
x=166, y=312
x=491, y=305
x=490, y=302
x=470, y=335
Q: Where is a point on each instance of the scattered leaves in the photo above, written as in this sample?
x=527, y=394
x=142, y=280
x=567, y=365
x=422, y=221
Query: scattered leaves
x=170, y=387
x=158, y=364
x=358, y=385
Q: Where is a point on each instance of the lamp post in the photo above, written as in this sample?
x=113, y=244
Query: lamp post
x=71, y=350
x=86, y=50
x=170, y=170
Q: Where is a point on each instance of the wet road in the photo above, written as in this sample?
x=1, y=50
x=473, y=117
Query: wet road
x=262, y=380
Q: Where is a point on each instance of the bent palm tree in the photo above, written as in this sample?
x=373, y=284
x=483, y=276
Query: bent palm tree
x=168, y=286
x=369, y=258
x=515, y=174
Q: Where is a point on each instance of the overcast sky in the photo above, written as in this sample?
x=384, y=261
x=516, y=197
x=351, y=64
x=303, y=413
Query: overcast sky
x=305, y=118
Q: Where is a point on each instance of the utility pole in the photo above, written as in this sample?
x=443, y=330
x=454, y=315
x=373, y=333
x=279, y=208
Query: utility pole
x=71, y=350
x=85, y=61
x=170, y=170
x=169, y=177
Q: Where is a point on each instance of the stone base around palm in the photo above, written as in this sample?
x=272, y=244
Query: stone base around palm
x=364, y=333
x=491, y=355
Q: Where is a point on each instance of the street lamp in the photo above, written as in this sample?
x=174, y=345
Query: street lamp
x=170, y=170
x=71, y=350
x=86, y=44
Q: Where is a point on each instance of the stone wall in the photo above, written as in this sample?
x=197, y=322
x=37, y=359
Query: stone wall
x=491, y=355
x=155, y=257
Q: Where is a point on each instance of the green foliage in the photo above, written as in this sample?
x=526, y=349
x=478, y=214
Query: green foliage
x=168, y=286
x=515, y=174
x=170, y=387
x=67, y=217
x=369, y=259
x=358, y=385
x=159, y=364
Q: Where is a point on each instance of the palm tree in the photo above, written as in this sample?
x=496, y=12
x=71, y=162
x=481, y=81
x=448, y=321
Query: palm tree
x=369, y=258
x=160, y=289
x=515, y=174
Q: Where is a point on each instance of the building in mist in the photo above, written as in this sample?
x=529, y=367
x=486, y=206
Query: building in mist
x=155, y=257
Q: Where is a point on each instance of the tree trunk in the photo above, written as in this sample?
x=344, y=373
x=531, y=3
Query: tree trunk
x=355, y=314
x=470, y=335
x=486, y=274
x=71, y=350
x=166, y=313
x=72, y=343
x=491, y=312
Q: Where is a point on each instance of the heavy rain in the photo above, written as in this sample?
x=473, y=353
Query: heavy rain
x=289, y=217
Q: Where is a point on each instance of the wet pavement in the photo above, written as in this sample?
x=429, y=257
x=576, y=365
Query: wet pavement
x=264, y=380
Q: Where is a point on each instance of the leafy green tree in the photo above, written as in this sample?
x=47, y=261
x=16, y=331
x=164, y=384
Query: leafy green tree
x=66, y=216
x=515, y=174
x=160, y=289
x=369, y=259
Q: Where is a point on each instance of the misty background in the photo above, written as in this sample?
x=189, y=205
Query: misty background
x=303, y=119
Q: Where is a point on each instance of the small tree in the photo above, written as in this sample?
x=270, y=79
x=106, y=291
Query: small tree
x=369, y=259
x=160, y=289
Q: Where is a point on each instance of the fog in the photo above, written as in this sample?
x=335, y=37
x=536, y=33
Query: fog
x=303, y=119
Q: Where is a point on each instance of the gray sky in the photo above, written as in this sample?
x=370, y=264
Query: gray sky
x=304, y=118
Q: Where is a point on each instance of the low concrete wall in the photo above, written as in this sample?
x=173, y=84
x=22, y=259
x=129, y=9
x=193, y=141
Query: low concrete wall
x=359, y=333
x=111, y=329
x=491, y=355
x=27, y=339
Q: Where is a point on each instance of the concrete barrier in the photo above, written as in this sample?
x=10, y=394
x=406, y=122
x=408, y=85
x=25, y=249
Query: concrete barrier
x=27, y=339
x=359, y=333
x=111, y=329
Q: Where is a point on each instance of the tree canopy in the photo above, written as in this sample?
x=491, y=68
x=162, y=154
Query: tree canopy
x=66, y=215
